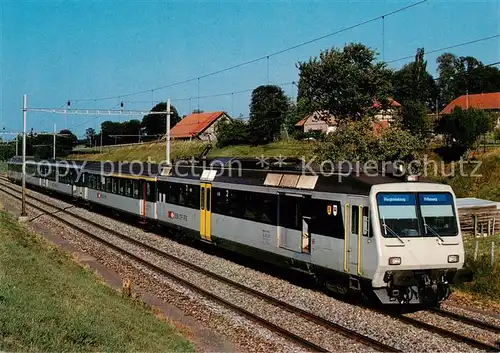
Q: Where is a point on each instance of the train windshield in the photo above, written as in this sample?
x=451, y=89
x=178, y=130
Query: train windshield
x=398, y=215
x=416, y=214
x=438, y=214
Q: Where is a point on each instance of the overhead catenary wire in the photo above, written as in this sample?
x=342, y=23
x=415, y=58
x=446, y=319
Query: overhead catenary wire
x=283, y=84
x=448, y=47
x=264, y=57
x=198, y=97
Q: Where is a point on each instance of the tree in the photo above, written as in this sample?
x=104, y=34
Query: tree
x=413, y=117
x=232, y=132
x=90, y=135
x=343, y=82
x=462, y=75
x=155, y=124
x=463, y=128
x=268, y=109
x=64, y=143
x=197, y=111
x=412, y=83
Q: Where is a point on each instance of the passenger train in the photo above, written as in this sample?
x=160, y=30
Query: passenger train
x=356, y=231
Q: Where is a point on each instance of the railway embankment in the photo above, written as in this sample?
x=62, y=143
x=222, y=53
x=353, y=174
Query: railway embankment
x=50, y=303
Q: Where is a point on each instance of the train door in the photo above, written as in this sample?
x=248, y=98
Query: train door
x=353, y=241
x=206, y=211
x=306, y=235
x=293, y=226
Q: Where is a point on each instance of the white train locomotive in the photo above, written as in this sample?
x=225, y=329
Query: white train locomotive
x=355, y=232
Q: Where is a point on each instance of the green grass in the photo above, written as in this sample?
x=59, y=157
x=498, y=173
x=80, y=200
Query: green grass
x=486, y=283
x=3, y=167
x=187, y=149
x=49, y=303
x=485, y=186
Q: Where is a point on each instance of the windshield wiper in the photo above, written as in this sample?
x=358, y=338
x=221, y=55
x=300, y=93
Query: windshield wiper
x=386, y=227
x=433, y=231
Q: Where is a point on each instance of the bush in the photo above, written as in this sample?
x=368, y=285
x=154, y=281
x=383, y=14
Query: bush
x=313, y=134
x=234, y=132
x=465, y=127
x=356, y=141
x=496, y=134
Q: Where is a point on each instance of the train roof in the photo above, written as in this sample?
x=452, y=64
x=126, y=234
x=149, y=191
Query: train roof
x=273, y=172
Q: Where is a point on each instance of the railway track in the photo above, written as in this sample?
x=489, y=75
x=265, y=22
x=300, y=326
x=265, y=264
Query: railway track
x=311, y=346
x=467, y=320
x=448, y=332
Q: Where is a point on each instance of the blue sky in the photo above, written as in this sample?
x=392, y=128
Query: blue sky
x=56, y=51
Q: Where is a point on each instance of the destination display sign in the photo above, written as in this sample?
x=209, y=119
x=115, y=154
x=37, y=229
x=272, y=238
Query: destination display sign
x=398, y=199
x=435, y=199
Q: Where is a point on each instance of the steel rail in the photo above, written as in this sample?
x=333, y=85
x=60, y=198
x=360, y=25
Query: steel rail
x=444, y=332
x=467, y=320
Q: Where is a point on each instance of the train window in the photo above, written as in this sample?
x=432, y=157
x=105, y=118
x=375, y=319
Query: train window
x=249, y=206
x=366, y=223
x=107, y=183
x=135, y=189
x=290, y=212
x=114, y=185
x=121, y=186
x=246, y=205
x=326, y=217
x=220, y=199
x=202, y=198
x=98, y=184
x=209, y=201
x=354, y=219
x=235, y=206
x=151, y=191
x=128, y=187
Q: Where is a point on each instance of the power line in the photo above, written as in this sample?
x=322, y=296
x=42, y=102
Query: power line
x=359, y=24
x=209, y=95
x=448, y=47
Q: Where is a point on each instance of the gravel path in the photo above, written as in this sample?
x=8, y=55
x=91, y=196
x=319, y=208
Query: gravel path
x=375, y=325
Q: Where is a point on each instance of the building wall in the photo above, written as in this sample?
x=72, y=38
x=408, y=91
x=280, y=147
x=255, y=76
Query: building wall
x=209, y=133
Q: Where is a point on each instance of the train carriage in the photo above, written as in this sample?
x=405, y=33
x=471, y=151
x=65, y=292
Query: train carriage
x=355, y=231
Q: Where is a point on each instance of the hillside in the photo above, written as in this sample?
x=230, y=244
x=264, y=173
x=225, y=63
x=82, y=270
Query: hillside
x=484, y=183
x=187, y=149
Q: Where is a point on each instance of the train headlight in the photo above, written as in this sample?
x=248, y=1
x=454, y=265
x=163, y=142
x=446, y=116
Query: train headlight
x=394, y=261
x=453, y=259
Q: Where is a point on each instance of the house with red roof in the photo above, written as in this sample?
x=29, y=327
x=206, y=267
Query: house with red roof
x=321, y=120
x=198, y=126
x=484, y=101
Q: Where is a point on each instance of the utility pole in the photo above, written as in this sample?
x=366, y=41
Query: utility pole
x=54, y=150
x=23, y=208
x=167, y=137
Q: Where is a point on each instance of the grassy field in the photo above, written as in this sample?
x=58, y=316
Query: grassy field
x=187, y=149
x=485, y=186
x=486, y=282
x=49, y=303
